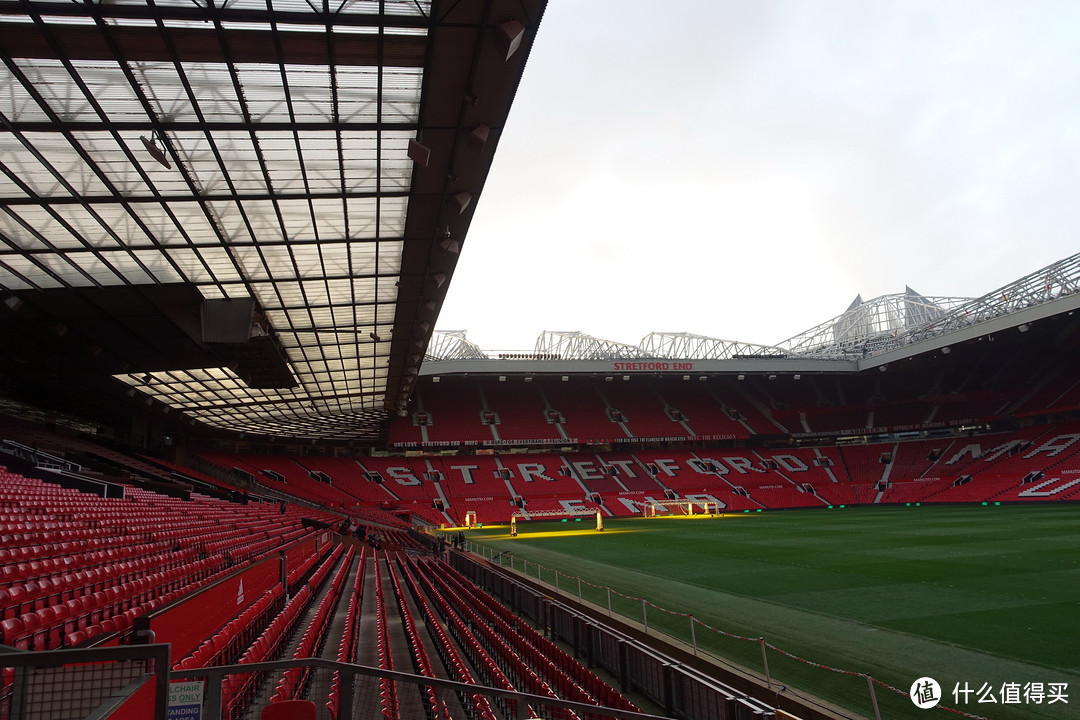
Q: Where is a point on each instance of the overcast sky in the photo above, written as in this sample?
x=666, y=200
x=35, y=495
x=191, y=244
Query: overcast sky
x=743, y=170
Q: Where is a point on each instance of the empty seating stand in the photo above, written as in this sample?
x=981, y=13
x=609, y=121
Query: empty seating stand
x=75, y=566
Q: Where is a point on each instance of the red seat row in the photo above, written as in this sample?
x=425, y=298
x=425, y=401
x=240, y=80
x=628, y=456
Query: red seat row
x=423, y=664
x=452, y=660
x=238, y=689
x=238, y=633
x=480, y=659
x=346, y=652
x=293, y=680
x=544, y=656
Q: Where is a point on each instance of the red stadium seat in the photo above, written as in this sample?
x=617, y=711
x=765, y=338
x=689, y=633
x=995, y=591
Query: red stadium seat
x=31, y=623
x=13, y=634
x=76, y=638
x=78, y=616
x=289, y=710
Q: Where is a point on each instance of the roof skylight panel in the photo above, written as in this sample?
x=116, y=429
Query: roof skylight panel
x=387, y=295
x=111, y=160
x=81, y=269
x=341, y=288
x=221, y=265
x=290, y=294
x=283, y=167
x=8, y=187
x=401, y=104
x=16, y=104
x=296, y=216
x=74, y=172
x=255, y=267
x=161, y=85
x=182, y=265
x=364, y=292
x=239, y=160
x=104, y=226
x=330, y=223
x=130, y=269
x=315, y=292
x=388, y=252
x=43, y=177
x=319, y=316
x=20, y=271
x=365, y=314
x=215, y=94
x=392, y=216
x=362, y=213
x=396, y=175
x=190, y=223
x=51, y=80
x=421, y=8
x=309, y=92
x=35, y=228
x=262, y=218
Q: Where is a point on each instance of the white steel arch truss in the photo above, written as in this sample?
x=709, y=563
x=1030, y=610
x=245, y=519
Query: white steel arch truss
x=870, y=326
x=688, y=345
x=579, y=346
x=452, y=345
x=1056, y=281
x=865, y=329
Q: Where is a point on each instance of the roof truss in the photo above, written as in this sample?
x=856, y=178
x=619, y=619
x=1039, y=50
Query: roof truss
x=261, y=150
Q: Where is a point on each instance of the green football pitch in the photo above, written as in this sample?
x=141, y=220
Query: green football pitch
x=982, y=599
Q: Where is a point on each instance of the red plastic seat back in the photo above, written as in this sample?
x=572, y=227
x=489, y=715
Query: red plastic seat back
x=289, y=710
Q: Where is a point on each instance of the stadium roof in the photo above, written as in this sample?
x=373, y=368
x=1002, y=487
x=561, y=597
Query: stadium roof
x=868, y=333
x=246, y=211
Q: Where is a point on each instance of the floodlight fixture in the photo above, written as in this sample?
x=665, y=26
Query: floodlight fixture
x=479, y=136
x=158, y=153
x=508, y=37
x=462, y=200
x=419, y=153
